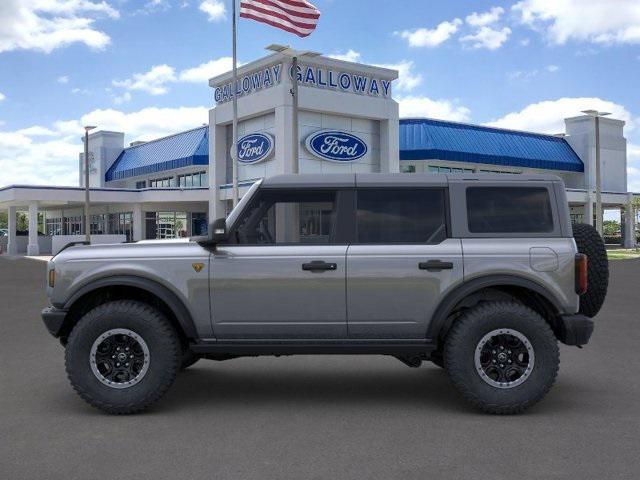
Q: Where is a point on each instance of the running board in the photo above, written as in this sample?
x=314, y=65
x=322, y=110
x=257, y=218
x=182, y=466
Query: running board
x=315, y=347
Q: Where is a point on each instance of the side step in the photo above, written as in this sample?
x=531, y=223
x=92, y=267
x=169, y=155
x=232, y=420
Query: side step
x=403, y=348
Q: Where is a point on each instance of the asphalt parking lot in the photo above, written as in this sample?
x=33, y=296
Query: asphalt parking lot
x=318, y=417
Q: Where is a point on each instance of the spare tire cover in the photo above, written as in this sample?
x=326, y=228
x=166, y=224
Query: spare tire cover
x=589, y=242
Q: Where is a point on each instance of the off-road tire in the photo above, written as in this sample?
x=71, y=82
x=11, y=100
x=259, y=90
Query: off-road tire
x=437, y=358
x=164, y=356
x=188, y=359
x=464, y=337
x=589, y=242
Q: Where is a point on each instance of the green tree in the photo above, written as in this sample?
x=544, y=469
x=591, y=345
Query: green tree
x=3, y=220
x=611, y=228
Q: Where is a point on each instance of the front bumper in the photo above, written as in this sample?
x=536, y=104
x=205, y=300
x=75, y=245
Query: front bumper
x=575, y=329
x=53, y=319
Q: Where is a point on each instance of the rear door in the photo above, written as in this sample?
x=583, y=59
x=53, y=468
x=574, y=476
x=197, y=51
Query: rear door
x=401, y=263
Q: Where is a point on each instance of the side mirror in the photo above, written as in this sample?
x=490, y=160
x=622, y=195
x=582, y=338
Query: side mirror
x=217, y=233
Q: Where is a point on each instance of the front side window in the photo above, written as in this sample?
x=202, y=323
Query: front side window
x=287, y=217
x=401, y=215
x=509, y=210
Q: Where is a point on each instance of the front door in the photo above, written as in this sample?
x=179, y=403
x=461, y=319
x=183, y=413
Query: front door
x=401, y=264
x=283, y=274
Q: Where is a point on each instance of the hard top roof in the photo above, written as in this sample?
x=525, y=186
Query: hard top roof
x=340, y=180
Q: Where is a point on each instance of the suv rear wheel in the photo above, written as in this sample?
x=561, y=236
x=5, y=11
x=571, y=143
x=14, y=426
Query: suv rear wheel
x=122, y=356
x=502, y=356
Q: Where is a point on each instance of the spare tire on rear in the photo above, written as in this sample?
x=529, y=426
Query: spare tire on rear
x=589, y=242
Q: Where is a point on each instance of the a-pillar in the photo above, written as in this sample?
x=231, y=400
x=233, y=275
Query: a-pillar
x=629, y=223
x=33, y=248
x=12, y=245
x=137, y=222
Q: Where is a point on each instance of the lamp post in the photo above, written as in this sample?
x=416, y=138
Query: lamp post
x=294, y=54
x=596, y=115
x=87, y=215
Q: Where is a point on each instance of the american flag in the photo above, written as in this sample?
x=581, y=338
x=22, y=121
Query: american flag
x=294, y=16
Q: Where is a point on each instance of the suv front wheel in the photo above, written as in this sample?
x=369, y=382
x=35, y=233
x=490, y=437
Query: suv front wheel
x=502, y=356
x=122, y=356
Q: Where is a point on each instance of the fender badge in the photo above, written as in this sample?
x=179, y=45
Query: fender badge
x=197, y=267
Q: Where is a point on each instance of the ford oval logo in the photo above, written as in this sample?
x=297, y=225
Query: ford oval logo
x=254, y=148
x=336, y=146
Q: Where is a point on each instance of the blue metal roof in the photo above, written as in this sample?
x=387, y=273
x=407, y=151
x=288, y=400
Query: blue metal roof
x=183, y=149
x=423, y=139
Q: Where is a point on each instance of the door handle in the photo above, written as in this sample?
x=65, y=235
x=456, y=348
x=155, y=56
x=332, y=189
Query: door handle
x=435, y=265
x=318, y=266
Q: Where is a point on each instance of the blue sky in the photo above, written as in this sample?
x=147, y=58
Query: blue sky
x=142, y=66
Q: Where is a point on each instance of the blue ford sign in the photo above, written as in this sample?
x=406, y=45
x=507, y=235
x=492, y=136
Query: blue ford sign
x=336, y=146
x=254, y=148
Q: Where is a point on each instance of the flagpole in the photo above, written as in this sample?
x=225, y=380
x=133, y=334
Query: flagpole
x=234, y=139
x=294, y=115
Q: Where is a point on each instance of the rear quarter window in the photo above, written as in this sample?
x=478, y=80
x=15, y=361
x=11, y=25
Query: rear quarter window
x=509, y=210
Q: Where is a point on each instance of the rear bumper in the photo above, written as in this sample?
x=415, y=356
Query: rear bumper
x=575, y=329
x=53, y=319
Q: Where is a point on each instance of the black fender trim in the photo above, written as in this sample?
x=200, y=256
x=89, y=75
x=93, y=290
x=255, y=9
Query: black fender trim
x=439, y=320
x=168, y=297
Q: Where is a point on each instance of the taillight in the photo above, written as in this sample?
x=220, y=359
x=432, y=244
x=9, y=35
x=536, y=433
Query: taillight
x=52, y=278
x=582, y=281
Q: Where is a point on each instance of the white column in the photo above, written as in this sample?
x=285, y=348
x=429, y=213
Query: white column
x=284, y=137
x=629, y=223
x=390, y=142
x=33, y=247
x=137, y=222
x=218, y=155
x=12, y=246
x=588, y=211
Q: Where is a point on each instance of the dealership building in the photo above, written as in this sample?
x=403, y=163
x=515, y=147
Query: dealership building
x=348, y=122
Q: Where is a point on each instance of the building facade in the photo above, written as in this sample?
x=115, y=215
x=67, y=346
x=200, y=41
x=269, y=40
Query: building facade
x=348, y=122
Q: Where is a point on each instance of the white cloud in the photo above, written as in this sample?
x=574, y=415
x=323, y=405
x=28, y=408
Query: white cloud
x=420, y=106
x=154, y=81
x=526, y=75
x=48, y=155
x=203, y=72
x=424, y=37
x=349, y=56
x=525, y=42
x=63, y=79
x=487, y=37
x=45, y=25
x=596, y=21
x=214, y=9
x=486, y=18
x=407, y=78
x=120, y=99
x=2, y=96
x=548, y=116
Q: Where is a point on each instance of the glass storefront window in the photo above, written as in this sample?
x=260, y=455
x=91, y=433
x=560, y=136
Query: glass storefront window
x=160, y=225
x=121, y=224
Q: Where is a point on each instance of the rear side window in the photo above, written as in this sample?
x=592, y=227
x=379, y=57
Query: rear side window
x=509, y=210
x=401, y=216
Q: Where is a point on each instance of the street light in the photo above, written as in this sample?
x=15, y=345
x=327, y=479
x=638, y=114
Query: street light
x=596, y=115
x=87, y=216
x=294, y=54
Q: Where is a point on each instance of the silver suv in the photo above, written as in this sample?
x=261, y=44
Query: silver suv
x=479, y=274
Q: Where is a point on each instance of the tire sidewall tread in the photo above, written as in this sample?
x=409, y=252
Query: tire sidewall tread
x=157, y=332
x=463, y=338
